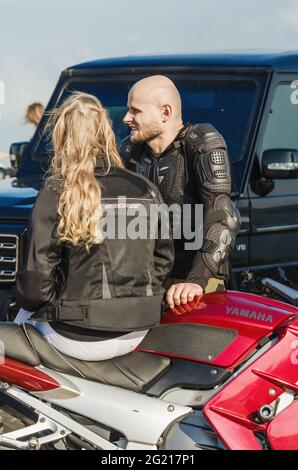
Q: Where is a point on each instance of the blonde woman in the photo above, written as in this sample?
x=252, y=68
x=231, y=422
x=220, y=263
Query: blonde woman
x=91, y=296
x=34, y=113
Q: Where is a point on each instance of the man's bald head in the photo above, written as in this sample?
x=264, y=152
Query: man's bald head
x=158, y=90
x=154, y=108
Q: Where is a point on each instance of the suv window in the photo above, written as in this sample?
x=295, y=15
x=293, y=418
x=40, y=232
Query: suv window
x=214, y=101
x=282, y=125
x=113, y=96
x=226, y=102
x=281, y=131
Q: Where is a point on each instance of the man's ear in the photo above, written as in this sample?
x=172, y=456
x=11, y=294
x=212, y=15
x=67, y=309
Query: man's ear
x=166, y=112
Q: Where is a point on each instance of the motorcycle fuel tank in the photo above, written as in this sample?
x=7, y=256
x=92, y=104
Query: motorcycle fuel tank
x=249, y=318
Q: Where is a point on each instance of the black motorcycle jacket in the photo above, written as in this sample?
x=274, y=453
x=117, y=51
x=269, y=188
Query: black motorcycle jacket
x=194, y=169
x=118, y=284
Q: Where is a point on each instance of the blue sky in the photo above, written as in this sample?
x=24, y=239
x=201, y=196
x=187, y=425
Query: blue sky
x=39, y=38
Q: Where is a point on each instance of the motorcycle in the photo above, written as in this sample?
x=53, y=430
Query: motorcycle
x=220, y=372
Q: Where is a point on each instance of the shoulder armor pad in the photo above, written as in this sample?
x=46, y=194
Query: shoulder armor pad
x=205, y=137
x=211, y=158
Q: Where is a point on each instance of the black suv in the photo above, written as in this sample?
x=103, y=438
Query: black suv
x=252, y=99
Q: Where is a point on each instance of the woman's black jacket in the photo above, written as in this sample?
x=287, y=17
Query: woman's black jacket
x=118, y=285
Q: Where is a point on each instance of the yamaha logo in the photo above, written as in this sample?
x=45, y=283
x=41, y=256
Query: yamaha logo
x=251, y=314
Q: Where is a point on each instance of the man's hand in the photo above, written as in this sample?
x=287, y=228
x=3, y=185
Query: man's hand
x=196, y=303
x=182, y=293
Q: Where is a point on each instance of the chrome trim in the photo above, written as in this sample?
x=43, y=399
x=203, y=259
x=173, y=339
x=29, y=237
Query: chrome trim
x=276, y=228
x=9, y=275
x=7, y=259
x=8, y=246
x=261, y=267
x=287, y=166
x=8, y=272
x=266, y=229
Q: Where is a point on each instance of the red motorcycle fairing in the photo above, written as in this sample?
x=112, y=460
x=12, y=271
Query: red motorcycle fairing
x=251, y=316
x=233, y=411
x=282, y=432
x=25, y=376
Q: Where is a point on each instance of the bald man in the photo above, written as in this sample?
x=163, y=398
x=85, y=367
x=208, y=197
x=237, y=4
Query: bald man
x=189, y=165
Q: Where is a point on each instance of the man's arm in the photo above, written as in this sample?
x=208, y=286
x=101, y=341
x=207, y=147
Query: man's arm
x=221, y=221
x=211, y=168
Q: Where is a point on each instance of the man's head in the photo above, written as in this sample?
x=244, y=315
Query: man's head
x=154, y=109
x=34, y=113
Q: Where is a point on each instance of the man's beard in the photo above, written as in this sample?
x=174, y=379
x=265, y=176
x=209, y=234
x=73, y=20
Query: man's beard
x=147, y=134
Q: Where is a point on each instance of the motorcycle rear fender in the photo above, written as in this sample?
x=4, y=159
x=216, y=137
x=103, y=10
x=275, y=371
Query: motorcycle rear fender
x=138, y=417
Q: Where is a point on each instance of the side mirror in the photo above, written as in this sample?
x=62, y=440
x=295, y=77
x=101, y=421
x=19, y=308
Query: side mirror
x=16, y=153
x=280, y=164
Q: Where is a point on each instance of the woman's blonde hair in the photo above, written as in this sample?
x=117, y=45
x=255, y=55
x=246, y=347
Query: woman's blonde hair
x=82, y=133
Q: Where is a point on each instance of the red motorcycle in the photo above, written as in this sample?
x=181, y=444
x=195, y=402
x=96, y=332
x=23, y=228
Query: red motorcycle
x=218, y=373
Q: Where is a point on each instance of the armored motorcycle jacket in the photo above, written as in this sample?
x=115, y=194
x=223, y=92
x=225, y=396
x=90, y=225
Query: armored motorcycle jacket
x=115, y=286
x=194, y=169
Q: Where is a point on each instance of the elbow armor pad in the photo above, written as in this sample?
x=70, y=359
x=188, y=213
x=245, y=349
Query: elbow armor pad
x=222, y=224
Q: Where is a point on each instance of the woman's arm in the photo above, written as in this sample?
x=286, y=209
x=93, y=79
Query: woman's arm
x=35, y=284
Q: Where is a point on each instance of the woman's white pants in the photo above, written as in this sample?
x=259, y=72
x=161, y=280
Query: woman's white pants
x=84, y=350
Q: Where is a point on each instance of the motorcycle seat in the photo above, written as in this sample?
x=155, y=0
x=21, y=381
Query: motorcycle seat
x=134, y=371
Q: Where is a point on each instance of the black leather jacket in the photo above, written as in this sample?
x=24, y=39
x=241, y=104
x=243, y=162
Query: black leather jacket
x=117, y=286
x=194, y=169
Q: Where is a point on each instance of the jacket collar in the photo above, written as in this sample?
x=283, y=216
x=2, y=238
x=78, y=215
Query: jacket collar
x=174, y=145
x=102, y=167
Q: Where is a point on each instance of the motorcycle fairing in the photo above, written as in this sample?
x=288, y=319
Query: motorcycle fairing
x=282, y=431
x=252, y=317
x=233, y=412
x=138, y=417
